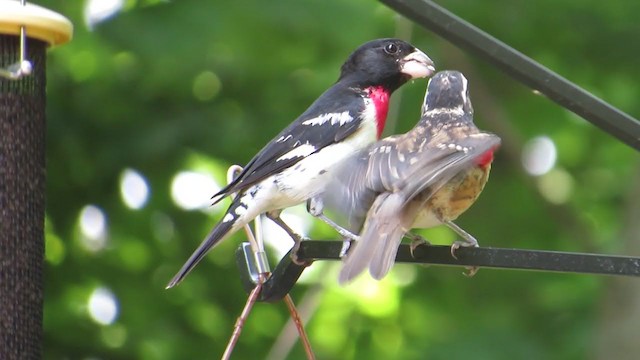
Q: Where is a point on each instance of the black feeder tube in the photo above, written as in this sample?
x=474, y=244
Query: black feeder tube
x=25, y=33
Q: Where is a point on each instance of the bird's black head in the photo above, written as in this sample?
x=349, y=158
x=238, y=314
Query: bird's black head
x=385, y=62
x=448, y=92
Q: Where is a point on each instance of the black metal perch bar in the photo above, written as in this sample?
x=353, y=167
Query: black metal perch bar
x=286, y=273
x=522, y=68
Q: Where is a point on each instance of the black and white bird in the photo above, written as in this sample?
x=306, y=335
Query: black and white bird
x=298, y=163
x=420, y=179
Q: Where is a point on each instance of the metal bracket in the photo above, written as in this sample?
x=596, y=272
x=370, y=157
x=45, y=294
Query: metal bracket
x=23, y=67
x=286, y=273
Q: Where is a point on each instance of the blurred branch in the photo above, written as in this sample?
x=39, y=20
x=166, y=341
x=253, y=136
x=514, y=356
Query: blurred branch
x=298, y=323
x=306, y=308
x=237, y=328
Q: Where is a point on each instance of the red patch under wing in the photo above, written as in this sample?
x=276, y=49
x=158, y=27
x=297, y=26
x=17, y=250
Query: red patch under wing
x=485, y=159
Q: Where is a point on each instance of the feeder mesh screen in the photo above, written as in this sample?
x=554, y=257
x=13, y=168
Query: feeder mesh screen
x=22, y=192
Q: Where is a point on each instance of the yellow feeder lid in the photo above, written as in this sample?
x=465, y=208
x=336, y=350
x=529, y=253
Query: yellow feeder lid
x=40, y=23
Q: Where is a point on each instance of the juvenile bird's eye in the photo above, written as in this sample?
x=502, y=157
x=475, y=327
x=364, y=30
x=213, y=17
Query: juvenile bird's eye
x=391, y=49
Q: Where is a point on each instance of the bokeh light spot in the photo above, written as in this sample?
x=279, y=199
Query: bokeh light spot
x=103, y=306
x=375, y=298
x=114, y=336
x=403, y=274
x=208, y=319
x=82, y=65
x=556, y=186
x=93, y=226
x=206, y=86
x=134, y=189
x=97, y=11
x=539, y=155
x=54, y=249
x=192, y=190
x=134, y=255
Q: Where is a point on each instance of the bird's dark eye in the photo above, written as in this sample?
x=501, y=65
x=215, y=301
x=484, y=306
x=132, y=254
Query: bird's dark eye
x=391, y=49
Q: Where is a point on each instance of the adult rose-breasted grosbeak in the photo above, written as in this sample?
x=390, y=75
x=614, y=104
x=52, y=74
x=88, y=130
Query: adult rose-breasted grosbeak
x=298, y=163
x=420, y=179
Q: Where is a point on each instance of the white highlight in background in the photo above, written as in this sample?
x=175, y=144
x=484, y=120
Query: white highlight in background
x=103, y=306
x=134, y=189
x=93, y=226
x=192, y=190
x=539, y=155
x=274, y=236
x=97, y=11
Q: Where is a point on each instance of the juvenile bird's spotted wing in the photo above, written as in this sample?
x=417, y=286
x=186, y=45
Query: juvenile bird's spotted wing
x=442, y=164
x=386, y=225
x=381, y=189
x=400, y=164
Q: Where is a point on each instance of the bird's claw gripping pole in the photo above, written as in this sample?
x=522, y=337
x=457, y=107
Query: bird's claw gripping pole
x=252, y=259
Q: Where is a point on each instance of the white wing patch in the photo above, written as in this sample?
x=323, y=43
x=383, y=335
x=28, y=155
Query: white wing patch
x=303, y=150
x=335, y=118
x=240, y=210
x=284, y=138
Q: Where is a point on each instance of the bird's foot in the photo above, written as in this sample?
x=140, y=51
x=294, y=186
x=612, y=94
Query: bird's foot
x=294, y=252
x=315, y=207
x=347, y=244
x=347, y=235
x=416, y=241
x=471, y=270
x=460, y=243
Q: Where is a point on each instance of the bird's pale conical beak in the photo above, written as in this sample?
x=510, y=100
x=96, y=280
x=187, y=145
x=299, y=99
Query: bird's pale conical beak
x=417, y=65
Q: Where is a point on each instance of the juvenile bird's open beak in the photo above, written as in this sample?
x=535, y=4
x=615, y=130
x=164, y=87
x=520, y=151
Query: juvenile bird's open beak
x=417, y=65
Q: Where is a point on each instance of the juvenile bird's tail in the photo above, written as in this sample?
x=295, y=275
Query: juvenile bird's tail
x=229, y=224
x=379, y=241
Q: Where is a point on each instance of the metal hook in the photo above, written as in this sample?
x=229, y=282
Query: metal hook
x=23, y=67
x=254, y=258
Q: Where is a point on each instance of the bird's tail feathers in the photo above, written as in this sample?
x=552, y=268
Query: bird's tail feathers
x=385, y=254
x=229, y=224
x=390, y=230
x=217, y=198
x=379, y=241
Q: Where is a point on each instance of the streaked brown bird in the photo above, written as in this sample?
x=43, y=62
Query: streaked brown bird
x=426, y=177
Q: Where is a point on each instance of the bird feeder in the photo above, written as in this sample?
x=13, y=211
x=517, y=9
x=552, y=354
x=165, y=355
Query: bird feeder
x=26, y=31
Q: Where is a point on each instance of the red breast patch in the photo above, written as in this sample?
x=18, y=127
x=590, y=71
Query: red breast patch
x=380, y=98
